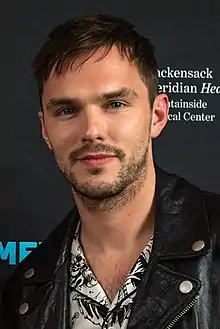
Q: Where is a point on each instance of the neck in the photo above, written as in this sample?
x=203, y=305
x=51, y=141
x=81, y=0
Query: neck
x=122, y=227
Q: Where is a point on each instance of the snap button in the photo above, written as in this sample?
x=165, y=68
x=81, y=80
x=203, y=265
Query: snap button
x=185, y=287
x=198, y=245
x=29, y=273
x=23, y=308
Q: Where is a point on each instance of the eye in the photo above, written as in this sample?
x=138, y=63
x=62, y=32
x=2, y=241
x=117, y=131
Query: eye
x=67, y=111
x=116, y=105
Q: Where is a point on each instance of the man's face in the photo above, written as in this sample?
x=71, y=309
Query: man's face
x=98, y=122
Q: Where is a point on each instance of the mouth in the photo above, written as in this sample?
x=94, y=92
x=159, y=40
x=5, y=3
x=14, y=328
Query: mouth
x=97, y=158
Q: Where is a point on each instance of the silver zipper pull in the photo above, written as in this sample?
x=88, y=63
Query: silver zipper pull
x=181, y=314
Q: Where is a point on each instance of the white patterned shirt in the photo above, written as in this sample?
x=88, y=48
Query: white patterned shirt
x=90, y=308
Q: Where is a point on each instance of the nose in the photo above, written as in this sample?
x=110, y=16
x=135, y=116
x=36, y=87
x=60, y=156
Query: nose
x=95, y=125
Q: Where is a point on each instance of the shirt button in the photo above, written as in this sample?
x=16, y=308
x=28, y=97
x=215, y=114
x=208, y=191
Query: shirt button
x=23, y=308
x=198, y=245
x=185, y=287
x=29, y=273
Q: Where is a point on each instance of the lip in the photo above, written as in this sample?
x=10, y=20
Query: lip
x=96, y=156
x=96, y=159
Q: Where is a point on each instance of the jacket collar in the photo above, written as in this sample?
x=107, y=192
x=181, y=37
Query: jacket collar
x=181, y=218
x=51, y=255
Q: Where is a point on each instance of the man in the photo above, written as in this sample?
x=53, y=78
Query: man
x=140, y=249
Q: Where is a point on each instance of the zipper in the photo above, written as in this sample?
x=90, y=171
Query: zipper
x=180, y=315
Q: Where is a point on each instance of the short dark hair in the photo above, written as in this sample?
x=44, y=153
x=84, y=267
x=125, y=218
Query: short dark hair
x=87, y=34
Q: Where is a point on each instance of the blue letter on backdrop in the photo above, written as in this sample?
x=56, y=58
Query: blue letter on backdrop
x=25, y=249
x=8, y=252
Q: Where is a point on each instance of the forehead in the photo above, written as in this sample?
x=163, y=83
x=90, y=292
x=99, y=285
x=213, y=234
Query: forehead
x=100, y=73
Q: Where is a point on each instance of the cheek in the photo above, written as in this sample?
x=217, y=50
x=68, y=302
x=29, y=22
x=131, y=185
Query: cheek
x=62, y=136
x=131, y=135
x=133, y=130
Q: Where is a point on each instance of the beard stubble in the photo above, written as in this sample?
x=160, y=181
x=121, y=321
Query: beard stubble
x=107, y=196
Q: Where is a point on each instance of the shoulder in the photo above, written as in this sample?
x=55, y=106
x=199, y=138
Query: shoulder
x=209, y=200
x=49, y=254
x=212, y=201
x=212, y=205
x=38, y=268
x=182, y=188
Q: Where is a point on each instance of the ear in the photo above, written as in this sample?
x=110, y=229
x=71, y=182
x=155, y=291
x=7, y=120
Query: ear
x=43, y=129
x=159, y=114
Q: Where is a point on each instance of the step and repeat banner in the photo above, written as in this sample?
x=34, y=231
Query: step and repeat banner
x=34, y=197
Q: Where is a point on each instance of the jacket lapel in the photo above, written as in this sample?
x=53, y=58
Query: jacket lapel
x=40, y=285
x=171, y=285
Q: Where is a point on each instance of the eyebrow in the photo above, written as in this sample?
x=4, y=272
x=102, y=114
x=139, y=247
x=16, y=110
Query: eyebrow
x=120, y=93
x=56, y=102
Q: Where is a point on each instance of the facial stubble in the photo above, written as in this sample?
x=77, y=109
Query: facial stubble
x=110, y=196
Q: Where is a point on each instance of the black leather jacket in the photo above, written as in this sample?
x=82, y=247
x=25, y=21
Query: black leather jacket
x=180, y=289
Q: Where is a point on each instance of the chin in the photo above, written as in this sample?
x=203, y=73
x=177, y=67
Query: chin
x=86, y=181
x=96, y=192
x=96, y=183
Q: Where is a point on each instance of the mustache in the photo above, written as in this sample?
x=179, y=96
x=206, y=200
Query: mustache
x=95, y=148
